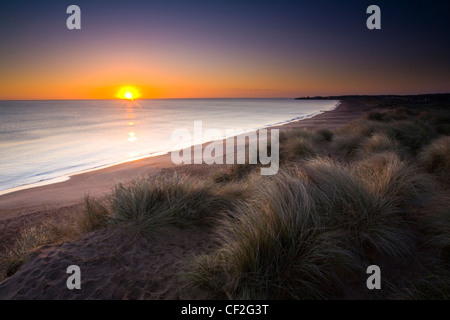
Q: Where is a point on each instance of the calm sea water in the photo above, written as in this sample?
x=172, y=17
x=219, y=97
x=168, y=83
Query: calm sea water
x=43, y=140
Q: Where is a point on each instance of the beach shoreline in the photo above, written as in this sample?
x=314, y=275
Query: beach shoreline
x=30, y=206
x=106, y=164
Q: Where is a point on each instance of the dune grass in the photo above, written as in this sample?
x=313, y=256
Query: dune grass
x=159, y=201
x=165, y=200
x=29, y=239
x=370, y=222
x=394, y=130
x=93, y=216
x=436, y=158
x=396, y=180
x=434, y=287
x=377, y=143
x=309, y=232
x=235, y=173
x=435, y=224
x=274, y=249
x=412, y=134
x=323, y=134
x=297, y=148
x=310, y=225
x=147, y=205
x=319, y=220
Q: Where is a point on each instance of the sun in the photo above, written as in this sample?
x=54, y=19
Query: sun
x=128, y=93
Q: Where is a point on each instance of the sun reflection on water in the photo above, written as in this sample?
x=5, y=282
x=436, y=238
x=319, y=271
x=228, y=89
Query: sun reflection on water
x=132, y=136
x=130, y=122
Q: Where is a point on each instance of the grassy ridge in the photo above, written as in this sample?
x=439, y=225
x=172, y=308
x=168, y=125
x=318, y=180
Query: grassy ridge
x=321, y=221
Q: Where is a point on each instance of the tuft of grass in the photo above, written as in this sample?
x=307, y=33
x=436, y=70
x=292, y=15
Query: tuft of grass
x=237, y=172
x=297, y=145
x=240, y=171
x=431, y=287
x=95, y=216
x=411, y=134
x=375, y=116
x=441, y=121
x=361, y=128
x=395, y=114
x=222, y=176
x=208, y=272
x=30, y=239
x=377, y=143
x=435, y=223
x=389, y=177
x=168, y=200
x=369, y=222
x=309, y=226
x=347, y=144
x=158, y=202
x=398, y=113
x=323, y=134
x=436, y=158
x=298, y=148
x=350, y=137
x=275, y=248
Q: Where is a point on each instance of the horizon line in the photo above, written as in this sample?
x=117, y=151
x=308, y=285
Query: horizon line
x=297, y=97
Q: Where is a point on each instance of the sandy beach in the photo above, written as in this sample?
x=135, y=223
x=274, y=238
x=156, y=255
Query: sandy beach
x=30, y=207
x=97, y=182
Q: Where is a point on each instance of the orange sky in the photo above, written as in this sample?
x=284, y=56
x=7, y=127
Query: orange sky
x=101, y=75
x=216, y=50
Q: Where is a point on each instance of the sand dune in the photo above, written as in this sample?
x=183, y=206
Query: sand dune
x=114, y=265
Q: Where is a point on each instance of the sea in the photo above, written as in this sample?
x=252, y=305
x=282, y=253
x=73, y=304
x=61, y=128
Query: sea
x=43, y=142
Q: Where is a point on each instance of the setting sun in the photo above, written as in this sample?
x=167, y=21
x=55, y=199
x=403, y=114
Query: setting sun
x=129, y=93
